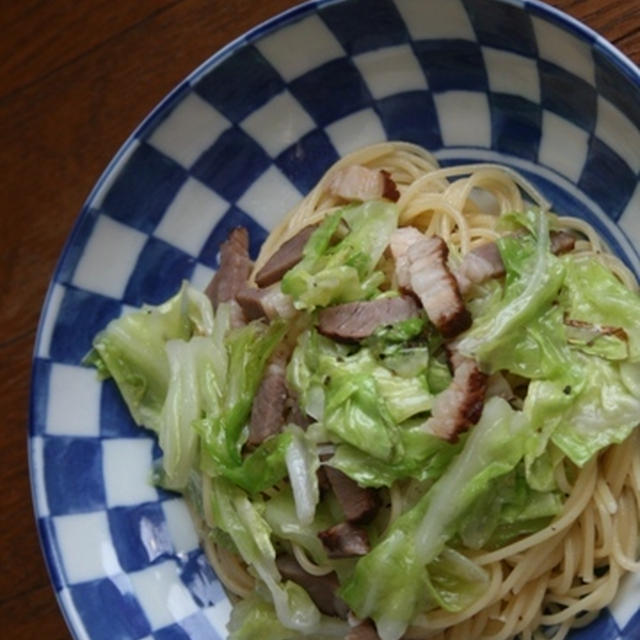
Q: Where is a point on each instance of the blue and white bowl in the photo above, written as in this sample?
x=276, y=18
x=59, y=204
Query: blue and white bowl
x=238, y=142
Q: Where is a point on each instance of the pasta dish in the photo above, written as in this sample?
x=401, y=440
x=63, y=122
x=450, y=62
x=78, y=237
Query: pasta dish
x=411, y=416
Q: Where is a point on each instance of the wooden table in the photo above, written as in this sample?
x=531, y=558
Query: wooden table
x=75, y=79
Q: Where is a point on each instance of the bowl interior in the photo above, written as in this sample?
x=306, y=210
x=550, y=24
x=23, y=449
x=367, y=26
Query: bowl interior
x=239, y=142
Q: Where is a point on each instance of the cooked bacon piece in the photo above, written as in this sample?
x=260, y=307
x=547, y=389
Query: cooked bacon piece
x=390, y=189
x=459, y=406
x=359, y=504
x=345, y=540
x=364, y=631
x=480, y=264
x=235, y=266
x=421, y=267
x=399, y=243
x=358, y=320
x=561, y=242
x=436, y=287
x=321, y=589
x=267, y=302
x=287, y=256
x=485, y=262
x=267, y=411
x=361, y=183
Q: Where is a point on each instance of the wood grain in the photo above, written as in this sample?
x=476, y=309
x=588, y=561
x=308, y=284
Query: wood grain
x=75, y=79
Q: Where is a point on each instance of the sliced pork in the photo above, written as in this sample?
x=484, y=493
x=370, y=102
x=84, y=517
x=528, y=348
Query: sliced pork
x=421, y=268
x=459, y=406
x=321, y=589
x=561, y=242
x=345, y=540
x=359, y=504
x=294, y=413
x=267, y=411
x=480, y=264
x=399, y=243
x=232, y=274
x=485, y=262
x=268, y=302
x=286, y=257
x=361, y=183
x=235, y=266
x=364, y=631
x=358, y=320
x=436, y=287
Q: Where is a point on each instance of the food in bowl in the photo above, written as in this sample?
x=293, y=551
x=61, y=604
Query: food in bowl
x=412, y=416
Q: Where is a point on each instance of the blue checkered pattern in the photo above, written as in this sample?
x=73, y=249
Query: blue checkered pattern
x=238, y=143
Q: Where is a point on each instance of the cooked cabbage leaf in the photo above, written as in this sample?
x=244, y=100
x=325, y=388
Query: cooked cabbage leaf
x=223, y=433
x=131, y=350
x=359, y=400
x=424, y=457
x=533, y=278
x=240, y=518
x=390, y=583
x=593, y=295
x=344, y=271
x=604, y=412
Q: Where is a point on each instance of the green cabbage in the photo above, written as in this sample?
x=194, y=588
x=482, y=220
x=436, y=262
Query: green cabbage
x=604, y=412
x=254, y=618
x=358, y=398
x=510, y=509
x=131, y=350
x=262, y=468
x=533, y=278
x=223, y=432
x=240, y=518
x=169, y=364
x=394, y=581
x=592, y=294
x=424, y=457
x=344, y=271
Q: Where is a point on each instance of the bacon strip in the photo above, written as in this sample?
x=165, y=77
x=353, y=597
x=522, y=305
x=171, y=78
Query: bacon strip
x=561, y=242
x=459, y=406
x=436, y=287
x=399, y=243
x=480, y=264
x=361, y=183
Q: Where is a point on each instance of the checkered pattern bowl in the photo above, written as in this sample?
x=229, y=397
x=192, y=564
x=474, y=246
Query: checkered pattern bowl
x=238, y=142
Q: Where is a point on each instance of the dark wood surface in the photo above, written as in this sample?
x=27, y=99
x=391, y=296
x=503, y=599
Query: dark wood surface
x=75, y=79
